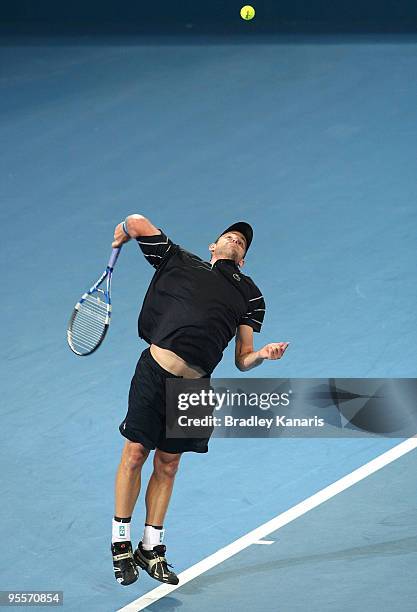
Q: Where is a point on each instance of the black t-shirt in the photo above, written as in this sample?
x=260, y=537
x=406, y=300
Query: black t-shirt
x=193, y=308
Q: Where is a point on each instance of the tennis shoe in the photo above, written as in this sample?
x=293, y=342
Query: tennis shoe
x=125, y=570
x=155, y=563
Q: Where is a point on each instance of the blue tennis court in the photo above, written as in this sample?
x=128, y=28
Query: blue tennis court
x=312, y=139
x=354, y=551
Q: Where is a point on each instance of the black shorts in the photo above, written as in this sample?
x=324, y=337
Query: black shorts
x=145, y=421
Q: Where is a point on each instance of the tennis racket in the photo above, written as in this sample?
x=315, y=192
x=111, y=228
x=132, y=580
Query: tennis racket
x=90, y=319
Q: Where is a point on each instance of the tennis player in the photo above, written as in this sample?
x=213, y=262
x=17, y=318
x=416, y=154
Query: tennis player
x=191, y=311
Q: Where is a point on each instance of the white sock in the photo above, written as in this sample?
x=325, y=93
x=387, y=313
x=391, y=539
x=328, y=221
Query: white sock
x=120, y=530
x=152, y=536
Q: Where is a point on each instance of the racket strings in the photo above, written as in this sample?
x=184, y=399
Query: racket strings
x=89, y=324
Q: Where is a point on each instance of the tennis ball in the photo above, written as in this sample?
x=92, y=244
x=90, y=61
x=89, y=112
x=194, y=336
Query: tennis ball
x=247, y=12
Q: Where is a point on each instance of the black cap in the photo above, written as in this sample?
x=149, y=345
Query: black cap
x=242, y=227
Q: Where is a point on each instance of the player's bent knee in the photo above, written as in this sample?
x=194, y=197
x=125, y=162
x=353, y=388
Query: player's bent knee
x=165, y=466
x=134, y=455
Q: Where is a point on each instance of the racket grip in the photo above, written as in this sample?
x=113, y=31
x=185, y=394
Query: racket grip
x=113, y=258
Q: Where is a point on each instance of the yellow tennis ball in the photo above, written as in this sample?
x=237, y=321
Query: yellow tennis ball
x=247, y=12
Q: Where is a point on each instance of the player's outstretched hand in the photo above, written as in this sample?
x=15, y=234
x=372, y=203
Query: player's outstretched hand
x=119, y=236
x=273, y=350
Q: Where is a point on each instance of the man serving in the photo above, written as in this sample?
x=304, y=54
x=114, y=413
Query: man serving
x=191, y=311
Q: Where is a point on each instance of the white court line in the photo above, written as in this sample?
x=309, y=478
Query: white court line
x=274, y=524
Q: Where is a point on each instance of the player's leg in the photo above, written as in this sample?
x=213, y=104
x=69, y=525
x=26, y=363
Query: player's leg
x=128, y=478
x=161, y=483
x=150, y=554
x=127, y=487
x=141, y=428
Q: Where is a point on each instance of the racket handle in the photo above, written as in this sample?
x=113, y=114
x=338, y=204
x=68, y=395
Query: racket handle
x=113, y=258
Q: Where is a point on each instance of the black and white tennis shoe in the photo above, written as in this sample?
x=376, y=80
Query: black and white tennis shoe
x=155, y=563
x=125, y=570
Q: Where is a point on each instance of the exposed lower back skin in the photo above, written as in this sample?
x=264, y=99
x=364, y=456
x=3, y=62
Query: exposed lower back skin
x=173, y=363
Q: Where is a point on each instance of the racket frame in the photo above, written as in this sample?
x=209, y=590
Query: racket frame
x=107, y=275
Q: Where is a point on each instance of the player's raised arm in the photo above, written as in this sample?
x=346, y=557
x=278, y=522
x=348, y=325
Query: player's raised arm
x=133, y=227
x=153, y=243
